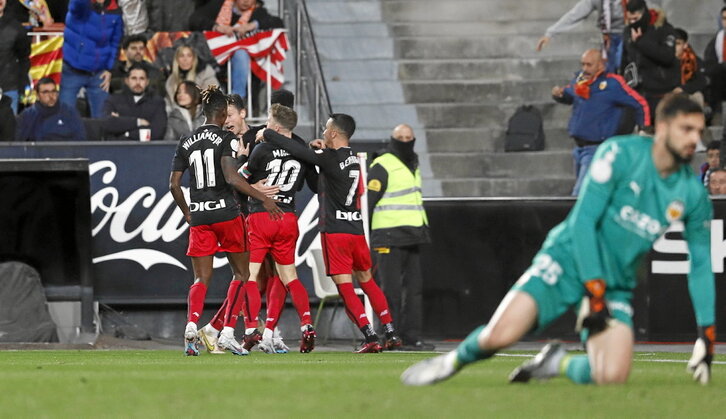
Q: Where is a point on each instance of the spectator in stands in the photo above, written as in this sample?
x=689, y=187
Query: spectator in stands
x=91, y=40
x=49, y=119
x=169, y=15
x=136, y=16
x=238, y=18
x=714, y=60
x=187, y=66
x=649, y=55
x=14, y=56
x=7, y=118
x=186, y=114
x=596, y=97
x=134, y=48
x=717, y=185
x=693, y=72
x=713, y=161
x=128, y=113
x=611, y=22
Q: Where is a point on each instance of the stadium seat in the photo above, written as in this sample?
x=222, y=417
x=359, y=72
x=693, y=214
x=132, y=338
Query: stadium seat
x=326, y=290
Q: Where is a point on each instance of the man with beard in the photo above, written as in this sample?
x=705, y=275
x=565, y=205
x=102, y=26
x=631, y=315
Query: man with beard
x=398, y=227
x=49, y=119
x=134, y=109
x=134, y=47
x=636, y=187
x=597, y=99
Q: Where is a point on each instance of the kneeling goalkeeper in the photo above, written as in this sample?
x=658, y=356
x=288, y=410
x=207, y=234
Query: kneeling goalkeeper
x=636, y=187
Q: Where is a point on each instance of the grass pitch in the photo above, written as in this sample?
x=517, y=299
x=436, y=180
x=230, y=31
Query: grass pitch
x=329, y=385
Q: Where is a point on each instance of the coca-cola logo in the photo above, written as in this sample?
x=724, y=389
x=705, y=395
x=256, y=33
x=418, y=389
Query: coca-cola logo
x=162, y=222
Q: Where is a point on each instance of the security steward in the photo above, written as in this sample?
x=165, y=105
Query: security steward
x=398, y=227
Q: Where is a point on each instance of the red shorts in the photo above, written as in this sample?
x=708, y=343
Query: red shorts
x=344, y=253
x=277, y=237
x=208, y=239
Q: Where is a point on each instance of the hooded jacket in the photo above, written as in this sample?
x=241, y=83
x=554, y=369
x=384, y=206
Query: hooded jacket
x=92, y=35
x=653, y=53
x=50, y=123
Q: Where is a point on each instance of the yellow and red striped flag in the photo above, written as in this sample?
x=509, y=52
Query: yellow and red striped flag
x=46, y=59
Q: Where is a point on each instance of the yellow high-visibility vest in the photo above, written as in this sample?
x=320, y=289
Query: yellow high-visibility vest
x=402, y=202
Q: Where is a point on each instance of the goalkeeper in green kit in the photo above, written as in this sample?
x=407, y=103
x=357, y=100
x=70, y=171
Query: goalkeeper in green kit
x=636, y=187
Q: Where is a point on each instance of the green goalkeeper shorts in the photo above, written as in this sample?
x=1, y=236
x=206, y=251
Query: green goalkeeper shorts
x=555, y=292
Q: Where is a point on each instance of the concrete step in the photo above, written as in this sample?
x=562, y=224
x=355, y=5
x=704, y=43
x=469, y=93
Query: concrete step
x=492, y=46
x=475, y=91
x=501, y=165
x=443, y=140
x=554, y=68
x=344, y=11
x=490, y=187
x=345, y=70
x=363, y=92
x=352, y=29
x=488, y=116
x=472, y=10
x=471, y=28
x=384, y=116
x=335, y=48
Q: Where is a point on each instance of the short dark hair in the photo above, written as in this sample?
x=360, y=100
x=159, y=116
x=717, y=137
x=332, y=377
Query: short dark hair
x=133, y=38
x=636, y=6
x=44, y=80
x=284, y=116
x=681, y=34
x=344, y=123
x=283, y=97
x=723, y=9
x=674, y=104
x=138, y=66
x=237, y=101
x=714, y=145
x=214, y=102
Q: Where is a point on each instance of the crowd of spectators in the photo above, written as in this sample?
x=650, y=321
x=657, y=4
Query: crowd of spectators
x=646, y=58
x=108, y=89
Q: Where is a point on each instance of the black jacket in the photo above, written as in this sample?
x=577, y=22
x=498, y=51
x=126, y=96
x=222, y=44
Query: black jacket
x=14, y=54
x=204, y=16
x=710, y=60
x=654, y=54
x=7, y=119
x=151, y=107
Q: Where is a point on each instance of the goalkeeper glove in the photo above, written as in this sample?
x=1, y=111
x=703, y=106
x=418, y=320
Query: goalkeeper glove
x=700, y=362
x=594, y=314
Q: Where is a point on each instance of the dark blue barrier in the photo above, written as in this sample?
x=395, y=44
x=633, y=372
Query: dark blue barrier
x=480, y=246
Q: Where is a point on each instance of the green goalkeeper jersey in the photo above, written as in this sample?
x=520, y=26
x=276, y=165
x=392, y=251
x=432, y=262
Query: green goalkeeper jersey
x=623, y=207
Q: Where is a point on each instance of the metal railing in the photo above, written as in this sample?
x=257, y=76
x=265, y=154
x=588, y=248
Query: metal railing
x=310, y=85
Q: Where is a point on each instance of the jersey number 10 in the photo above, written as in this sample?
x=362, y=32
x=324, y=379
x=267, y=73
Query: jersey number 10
x=283, y=175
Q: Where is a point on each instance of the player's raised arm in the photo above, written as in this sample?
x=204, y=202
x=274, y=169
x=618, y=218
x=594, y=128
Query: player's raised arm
x=229, y=168
x=701, y=286
x=293, y=147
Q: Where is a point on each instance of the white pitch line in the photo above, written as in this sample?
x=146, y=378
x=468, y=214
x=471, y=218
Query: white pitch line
x=678, y=361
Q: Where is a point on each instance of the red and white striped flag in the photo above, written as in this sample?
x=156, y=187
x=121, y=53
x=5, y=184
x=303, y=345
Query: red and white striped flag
x=261, y=46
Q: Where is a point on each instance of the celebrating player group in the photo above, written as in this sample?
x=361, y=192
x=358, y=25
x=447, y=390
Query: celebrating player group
x=221, y=173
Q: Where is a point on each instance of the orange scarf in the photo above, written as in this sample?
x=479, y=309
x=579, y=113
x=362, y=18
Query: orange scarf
x=224, y=17
x=582, y=86
x=689, y=65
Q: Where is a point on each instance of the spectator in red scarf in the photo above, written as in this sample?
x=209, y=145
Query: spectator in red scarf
x=693, y=73
x=597, y=99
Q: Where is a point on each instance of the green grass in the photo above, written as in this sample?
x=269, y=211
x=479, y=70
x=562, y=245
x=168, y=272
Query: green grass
x=327, y=385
